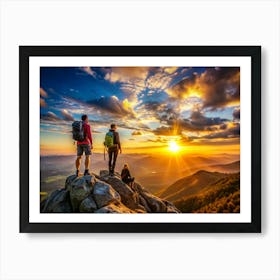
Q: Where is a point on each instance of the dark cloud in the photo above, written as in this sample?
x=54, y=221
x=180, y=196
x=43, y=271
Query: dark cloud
x=217, y=87
x=50, y=116
x=231, y=132
x=136, y=133
x=158, y=140
x=112, y=105
x=167, y=131
x=221, y=86
x=223, y=126
x=161, y=111
x=198, y=122
x=66, y=115
x=236, y=114
x=185, y=86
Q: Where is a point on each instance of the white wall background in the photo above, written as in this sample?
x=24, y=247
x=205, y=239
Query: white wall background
x=139, y=256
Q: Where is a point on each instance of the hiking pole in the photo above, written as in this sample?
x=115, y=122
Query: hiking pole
x=105, y=150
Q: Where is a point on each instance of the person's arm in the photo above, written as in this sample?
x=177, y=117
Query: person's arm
x=128, y=174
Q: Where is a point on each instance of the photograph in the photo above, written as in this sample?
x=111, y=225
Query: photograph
x=170, y=133
x=139, y=139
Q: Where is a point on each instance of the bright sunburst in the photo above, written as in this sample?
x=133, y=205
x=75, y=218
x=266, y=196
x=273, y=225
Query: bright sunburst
x=173, y=147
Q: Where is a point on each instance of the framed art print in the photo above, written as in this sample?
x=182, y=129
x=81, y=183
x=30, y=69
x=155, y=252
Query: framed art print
x=140, y=138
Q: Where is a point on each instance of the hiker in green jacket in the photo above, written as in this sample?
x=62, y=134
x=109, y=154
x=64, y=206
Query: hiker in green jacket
x=113, y=144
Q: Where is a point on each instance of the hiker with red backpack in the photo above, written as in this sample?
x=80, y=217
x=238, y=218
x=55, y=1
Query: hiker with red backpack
x=81, y=132
x=113, y=145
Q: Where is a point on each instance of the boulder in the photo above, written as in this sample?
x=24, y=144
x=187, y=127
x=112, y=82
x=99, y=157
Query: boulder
x=107, y=194
x=104, y=194
x=144, y=203
x=155, y=203
x=113, y=208
x=151, y=202
x=57, y=202
x=69, y=181
x=79, y=189
x=128, y=196
x=104, y=173
x=88, y=205
x=171, y=208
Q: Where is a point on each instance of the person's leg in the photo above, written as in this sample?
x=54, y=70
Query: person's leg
x=110, y=160
x=87, y=162
x=114, y=160
x=78, y=159
x=78, y=164
x=87, y=159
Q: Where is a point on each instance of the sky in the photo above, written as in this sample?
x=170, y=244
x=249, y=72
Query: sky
x=197, y=108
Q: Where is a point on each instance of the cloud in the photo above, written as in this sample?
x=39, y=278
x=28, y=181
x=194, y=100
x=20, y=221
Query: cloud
x=158, y=81
x=89, y=71
x=113, y=106
x=159, y=139
x=43, y=93
x=160, y=111
x=167, y=131
x=217, y=87
x=43, y=103
x=170, y=70
x=187, y=87
x=236, y=113
x=66, y=115
x=199, y=120
x=136, y=133
x=127, y=74
x=221, y=86
x=50, y=116
x=231, y=132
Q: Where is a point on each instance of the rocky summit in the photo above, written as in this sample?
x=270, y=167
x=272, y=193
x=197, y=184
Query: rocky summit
x=103, y=194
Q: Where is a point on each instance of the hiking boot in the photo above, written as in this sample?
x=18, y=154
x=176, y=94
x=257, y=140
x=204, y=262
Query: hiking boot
x=77, y=173
x=86, y=172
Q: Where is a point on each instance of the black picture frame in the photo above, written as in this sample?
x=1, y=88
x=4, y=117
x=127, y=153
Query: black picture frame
x=25, y=52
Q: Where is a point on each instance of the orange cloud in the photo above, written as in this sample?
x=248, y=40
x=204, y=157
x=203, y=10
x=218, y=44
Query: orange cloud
x=43, y=93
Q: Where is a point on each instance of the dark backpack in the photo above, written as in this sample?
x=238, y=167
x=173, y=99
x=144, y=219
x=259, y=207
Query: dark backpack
x=78, y=131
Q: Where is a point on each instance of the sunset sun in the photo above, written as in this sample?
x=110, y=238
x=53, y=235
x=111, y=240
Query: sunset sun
x=173, y=147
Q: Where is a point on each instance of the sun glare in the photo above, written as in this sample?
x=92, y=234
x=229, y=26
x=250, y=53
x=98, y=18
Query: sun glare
x=173, y=147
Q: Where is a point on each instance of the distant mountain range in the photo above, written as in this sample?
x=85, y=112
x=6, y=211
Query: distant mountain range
x=222, y=196
x=190, y=185
x=207, y=192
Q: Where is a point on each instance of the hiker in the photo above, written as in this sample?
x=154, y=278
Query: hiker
x=113, y=145
x=82, y=134
x=126, y=177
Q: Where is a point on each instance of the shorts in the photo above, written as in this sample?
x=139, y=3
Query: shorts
x=81, y=148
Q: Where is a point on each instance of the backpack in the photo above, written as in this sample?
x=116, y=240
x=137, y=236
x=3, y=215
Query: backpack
x=78, y=131
x=109, y=139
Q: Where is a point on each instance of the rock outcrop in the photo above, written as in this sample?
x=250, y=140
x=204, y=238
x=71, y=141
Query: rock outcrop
x=103, y=194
